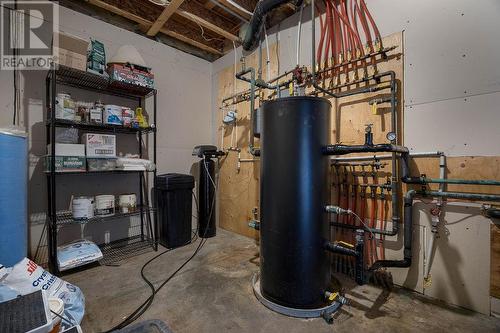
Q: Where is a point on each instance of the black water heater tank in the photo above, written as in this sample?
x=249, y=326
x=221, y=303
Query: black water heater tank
x=295, y=269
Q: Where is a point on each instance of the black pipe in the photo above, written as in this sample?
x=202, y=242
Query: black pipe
x=492, y=213
x=206, y=194
x=263, y=7
x=360, y=259
x=345, y=149
x=407, y=239
x=336, y=248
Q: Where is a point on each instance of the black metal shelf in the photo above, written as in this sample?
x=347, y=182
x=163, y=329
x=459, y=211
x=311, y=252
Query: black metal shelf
x=115, y=252
x=66, y=217
x=101, y=128
x=102, y=84
x=144, y=236
x=117, y=171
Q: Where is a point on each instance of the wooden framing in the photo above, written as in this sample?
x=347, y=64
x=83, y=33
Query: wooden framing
x=210, y=5
x=164, y=16
x=145, y=22
x=204, y=23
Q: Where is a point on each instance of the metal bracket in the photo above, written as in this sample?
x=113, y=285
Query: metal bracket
x=325, y=312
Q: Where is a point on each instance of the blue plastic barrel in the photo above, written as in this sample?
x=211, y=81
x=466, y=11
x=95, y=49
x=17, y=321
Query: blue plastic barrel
x=13, y=196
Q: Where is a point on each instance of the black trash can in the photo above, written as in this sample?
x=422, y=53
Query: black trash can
x=174, y=202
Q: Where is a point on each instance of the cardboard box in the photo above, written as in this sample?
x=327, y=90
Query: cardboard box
x=67, y=164
x=100, y=145
x=68, y=149
x=72, y=51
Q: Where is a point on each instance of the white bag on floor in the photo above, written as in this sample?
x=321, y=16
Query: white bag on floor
x=78, y=253
x=26, y=277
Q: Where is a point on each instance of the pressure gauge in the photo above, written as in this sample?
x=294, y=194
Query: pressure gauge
x=391, y=136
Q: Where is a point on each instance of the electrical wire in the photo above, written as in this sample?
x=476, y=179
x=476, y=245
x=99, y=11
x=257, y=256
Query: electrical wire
x=362, y=222
x=203, y=33
x=299, y=28
x=15, y=16
x=268, y=57
x=147, y=303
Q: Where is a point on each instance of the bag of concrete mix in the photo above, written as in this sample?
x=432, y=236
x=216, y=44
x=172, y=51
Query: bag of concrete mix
x=26, y=277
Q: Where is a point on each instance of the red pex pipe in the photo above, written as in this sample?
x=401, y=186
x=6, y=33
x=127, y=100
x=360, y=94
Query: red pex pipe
x=345, y=22
x=364, y=25
x=372, y=21
x=319, y=52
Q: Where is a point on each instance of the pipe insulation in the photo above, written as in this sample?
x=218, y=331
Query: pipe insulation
x=252, y=36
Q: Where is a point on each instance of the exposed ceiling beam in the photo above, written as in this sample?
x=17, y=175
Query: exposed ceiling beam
x=164, y=16
x=237, y=8
x=144, y=22
x=210, y=26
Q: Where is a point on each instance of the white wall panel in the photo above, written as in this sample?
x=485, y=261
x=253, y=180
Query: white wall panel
x=459, y=127
x=451, y=94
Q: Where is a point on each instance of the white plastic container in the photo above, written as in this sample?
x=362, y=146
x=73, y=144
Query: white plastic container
x=56, y=305
x=113, y=114
x=105, y=205
x=82, y=208
x=65, y=107
x=127, y=203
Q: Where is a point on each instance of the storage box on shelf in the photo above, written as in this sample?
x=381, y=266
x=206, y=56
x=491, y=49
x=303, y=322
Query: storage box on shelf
x=71, y=51
x=143, y=236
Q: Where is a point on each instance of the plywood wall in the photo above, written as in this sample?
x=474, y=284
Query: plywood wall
x=239, y=189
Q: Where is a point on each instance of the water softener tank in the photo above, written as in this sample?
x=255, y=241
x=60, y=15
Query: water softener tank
x=295, y=270
x=13, y=196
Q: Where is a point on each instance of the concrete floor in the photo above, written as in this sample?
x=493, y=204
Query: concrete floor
x=213, y=294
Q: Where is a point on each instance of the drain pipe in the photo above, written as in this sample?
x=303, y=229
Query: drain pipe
x=356, y=251
x=407, y=237
x=492, y=213
x=436, y=214
x=252, y=150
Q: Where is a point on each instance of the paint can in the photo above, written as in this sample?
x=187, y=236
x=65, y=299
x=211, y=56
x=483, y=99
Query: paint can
x=113, y=114
x=127, y=203
x=105, y=205
x=82, y=208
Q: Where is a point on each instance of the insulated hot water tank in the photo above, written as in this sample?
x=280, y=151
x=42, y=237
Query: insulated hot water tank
x=295, y=268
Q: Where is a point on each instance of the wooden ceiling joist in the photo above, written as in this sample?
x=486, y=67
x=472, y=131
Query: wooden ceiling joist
x=164, y=16
x=210, y=26
x=145, y=22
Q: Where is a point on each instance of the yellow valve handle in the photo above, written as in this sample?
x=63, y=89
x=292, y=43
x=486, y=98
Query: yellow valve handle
x=290, y=89
x=374, y=108
x=333, y=296
x=346, y=244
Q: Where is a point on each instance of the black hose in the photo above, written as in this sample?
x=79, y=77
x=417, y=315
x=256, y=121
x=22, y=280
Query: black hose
x=139, y=311
x=263, y=7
